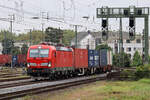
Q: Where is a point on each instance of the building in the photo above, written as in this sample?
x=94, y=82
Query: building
x=85, y=39
x=129, y=46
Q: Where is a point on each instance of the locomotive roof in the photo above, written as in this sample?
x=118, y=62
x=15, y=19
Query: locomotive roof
x=42, y=46
x=58, y=48
x=63, y=49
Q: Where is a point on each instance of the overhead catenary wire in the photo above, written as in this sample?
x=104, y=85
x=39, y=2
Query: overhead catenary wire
x=66, y=21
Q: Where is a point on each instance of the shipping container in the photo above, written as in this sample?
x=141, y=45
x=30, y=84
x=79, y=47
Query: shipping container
x=93, y=58
x=5, y=59
x=80, y=58
x=103, y=57
x=64, y=57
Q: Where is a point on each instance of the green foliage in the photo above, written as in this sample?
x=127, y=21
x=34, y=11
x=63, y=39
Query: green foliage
x=35, y=36
x=144, y=80
x=53, y=35
x=121, y=60
x=16, y=50
x=8, y=35
x=137, y=60
x=24, y=49
x=103, y=46
x=149, y=60
x=143, y=71
x=130, y=74
x=67, y=37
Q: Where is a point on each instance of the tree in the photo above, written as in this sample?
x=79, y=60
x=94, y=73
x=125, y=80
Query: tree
x=68, y=35
x=24, y=49
x=15, y=50
x=36, y=37
x=103, y=46
x=6, y=34
x=121, y=60
x=53, y=35
x=137, y=60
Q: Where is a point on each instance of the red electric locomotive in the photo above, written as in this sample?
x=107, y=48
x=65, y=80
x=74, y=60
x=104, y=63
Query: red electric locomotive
x=49, y=61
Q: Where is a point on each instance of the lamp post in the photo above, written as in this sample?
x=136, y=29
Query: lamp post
x=42, y=23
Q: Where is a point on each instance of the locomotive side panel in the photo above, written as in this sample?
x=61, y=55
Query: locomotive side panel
x=64, y=58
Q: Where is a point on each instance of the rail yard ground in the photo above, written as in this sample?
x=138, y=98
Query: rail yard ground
x=7, y=73
x=100, y=90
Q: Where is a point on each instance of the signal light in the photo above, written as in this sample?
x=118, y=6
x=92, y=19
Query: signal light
x=139, y=12
x=131, y=22
x=126, y=12
x=103, y=33
x=104, y=23
x=105, y=29
x=131, y=33
x=132, y=28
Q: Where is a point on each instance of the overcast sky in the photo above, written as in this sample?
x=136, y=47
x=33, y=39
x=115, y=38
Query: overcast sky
x=68, y=11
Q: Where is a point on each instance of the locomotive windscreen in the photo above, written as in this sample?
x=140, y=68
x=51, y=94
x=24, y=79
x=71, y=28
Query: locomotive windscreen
x=39, y=52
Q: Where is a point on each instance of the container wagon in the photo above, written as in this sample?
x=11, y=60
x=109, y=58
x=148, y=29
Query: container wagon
x=80, y=60
x=105, y=59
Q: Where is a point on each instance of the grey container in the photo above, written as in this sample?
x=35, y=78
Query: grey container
x=93, y=58
x=103, y=57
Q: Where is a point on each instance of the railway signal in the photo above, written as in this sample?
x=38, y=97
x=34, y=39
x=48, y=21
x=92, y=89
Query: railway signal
x=132, y=13
x=132, y=28
x=104, y=29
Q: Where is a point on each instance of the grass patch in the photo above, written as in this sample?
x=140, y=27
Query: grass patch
x=102, y=90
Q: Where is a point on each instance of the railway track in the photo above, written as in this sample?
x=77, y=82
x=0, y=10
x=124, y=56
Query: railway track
x=19, y=84
x=14, y=79
x=19, y=91
x=10, y=75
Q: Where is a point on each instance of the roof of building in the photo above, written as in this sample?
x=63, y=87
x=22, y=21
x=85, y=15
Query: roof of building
x=80, y=36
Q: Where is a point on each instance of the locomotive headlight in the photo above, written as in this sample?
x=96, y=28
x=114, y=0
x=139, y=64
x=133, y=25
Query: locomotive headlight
x=49, y=65
x=28, y=65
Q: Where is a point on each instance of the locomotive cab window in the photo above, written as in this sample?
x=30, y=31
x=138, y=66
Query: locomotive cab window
x=39, y=52
x=43, y=52
x=34, y=53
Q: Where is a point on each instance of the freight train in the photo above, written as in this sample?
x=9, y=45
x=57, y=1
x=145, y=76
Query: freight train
x=47, y=61
x=17, y=60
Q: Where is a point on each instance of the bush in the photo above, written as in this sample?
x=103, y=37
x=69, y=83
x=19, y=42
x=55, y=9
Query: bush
x=121, y=60
x=129, y=74
x=143, y=72
x=137, y=60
